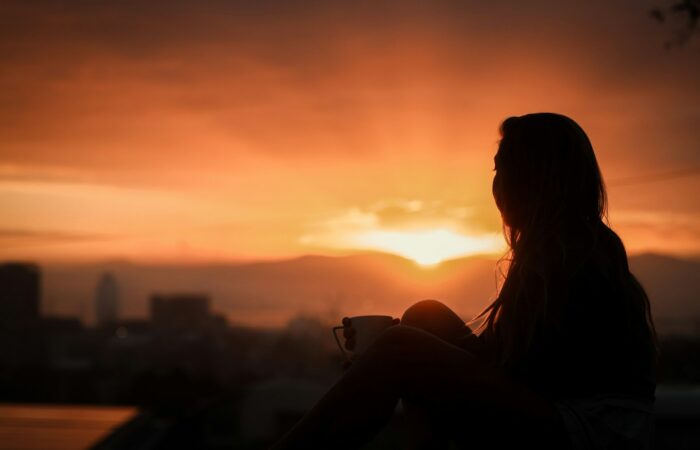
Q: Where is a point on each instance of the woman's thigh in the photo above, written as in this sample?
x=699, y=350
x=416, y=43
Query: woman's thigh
x=466, y=394
x=435, y=318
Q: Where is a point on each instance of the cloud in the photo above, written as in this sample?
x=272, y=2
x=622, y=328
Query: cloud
x=398, y=213
x=10, y=238
x=659, y=231
x=420, y=214
x=655, y=217
x=426, y=231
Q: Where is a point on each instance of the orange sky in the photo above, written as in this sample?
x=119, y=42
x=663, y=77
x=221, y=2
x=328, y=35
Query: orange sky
x=190, y=131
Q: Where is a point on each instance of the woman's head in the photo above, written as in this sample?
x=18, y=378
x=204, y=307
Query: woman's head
x=547, y=176
x=552, y=199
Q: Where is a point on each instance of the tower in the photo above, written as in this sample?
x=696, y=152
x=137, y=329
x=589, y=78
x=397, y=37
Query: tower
x=107, y=300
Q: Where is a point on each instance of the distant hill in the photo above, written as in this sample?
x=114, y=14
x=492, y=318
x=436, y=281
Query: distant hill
x=269, y=293
x=673, y=286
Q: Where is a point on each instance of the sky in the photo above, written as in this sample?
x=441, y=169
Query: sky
x=222, y=130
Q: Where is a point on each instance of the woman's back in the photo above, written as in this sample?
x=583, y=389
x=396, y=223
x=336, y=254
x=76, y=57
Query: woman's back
x=589, y=352
x=597, y=339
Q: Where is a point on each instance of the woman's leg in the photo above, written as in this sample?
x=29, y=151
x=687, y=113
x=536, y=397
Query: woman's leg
x=424, y=425
x=422, y=428
x=409, y=362
x=435, y=318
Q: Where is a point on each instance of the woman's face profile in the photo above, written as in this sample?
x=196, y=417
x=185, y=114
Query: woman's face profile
x=496, y=185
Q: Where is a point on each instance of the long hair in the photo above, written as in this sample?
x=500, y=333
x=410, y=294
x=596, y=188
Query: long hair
x=550, y=192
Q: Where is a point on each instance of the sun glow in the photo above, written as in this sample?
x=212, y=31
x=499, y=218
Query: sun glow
x=430, y=247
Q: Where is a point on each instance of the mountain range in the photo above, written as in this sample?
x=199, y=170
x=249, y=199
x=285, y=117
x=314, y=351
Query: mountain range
x=268, y=294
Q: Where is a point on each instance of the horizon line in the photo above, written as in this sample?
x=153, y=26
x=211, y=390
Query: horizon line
x=279, y=259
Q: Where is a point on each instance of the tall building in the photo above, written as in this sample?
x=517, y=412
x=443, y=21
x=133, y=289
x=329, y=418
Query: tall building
x=180, y=312
x=107, y=300
x=19, y=293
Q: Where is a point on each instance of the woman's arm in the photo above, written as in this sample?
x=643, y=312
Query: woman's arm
x=473, y=344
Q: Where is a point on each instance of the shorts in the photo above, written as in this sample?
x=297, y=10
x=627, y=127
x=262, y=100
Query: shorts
x=608, y=422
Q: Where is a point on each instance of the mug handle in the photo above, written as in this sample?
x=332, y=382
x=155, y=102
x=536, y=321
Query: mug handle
x=337, y=341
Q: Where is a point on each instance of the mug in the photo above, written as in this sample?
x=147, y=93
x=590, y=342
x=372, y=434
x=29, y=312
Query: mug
x=367, y=329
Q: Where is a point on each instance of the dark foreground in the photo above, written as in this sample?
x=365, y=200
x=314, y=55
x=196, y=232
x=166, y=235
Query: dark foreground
x=243, y=423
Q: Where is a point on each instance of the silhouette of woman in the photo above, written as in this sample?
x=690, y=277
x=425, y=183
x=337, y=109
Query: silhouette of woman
x=565, y=356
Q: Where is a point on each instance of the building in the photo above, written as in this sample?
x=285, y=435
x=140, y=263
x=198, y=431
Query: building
x=180, y=312
x=20, y=290
x=107, y=300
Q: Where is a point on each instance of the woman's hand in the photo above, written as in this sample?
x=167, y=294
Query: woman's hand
x=349, y=334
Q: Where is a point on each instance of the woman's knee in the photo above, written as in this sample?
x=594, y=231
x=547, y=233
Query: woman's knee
x=394, y=338
x=397, y=343
x=434, y=317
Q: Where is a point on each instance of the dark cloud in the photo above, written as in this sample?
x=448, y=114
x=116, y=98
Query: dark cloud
x=124, y=83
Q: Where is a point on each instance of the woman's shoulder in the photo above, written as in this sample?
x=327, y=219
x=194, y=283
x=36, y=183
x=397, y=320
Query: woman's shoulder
x=594, y=276
x=588, y=298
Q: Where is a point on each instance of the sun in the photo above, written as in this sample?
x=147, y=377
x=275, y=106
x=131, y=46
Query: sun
x=430, y=247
